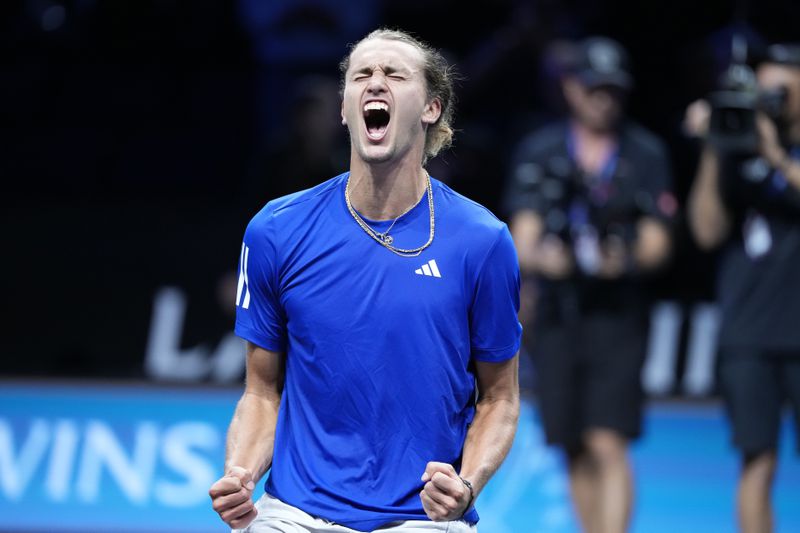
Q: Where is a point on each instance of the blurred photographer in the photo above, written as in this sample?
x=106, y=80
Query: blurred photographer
x=746, y=201
x=589, y=200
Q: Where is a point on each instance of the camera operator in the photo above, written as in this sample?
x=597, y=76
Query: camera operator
x=747, y=203
x=590, y=202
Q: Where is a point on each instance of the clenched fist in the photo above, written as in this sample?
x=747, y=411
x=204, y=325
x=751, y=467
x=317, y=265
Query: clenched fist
x=232, y=497
x=445, y=496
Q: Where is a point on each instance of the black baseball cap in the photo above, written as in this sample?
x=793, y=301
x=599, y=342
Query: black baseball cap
x=601, y=61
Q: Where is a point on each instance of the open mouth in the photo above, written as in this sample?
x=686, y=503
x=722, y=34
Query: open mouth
x=376, y=118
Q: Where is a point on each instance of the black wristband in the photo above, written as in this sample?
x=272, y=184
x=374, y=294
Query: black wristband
x=468, y=484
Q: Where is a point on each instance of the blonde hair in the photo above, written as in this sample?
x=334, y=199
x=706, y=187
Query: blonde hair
x=439, y=78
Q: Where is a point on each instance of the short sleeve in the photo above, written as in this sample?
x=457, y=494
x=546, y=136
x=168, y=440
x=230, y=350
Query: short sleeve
x=259, y=315
x=495, y=331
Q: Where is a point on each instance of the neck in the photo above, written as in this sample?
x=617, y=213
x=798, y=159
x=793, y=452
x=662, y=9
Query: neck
x=590, y=134
x=384, y=192
x=592, y=147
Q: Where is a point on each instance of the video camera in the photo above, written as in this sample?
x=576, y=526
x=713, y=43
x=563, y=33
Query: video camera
x=732, y=126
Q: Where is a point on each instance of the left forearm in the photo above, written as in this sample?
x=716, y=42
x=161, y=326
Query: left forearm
x=489, y=439
x=779, y=159
x=790, y=168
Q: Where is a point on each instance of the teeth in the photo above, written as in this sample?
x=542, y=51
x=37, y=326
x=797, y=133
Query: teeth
x=370, y=106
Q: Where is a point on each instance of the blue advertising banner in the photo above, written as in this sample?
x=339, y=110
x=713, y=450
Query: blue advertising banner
x=101, y=458
x=86, y=457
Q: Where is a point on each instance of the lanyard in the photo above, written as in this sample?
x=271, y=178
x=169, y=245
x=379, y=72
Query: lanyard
x=599, y=184
x=609, y=166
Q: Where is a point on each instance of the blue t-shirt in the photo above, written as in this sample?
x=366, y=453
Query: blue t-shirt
x=379, y=348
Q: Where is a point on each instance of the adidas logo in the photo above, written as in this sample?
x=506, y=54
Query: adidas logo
x=429, y=269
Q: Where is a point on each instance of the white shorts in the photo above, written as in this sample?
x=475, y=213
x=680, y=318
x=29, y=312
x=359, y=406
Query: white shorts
x=274, y=516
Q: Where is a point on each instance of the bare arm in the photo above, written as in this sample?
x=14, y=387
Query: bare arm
x=445, y=496
x=551, y=257
x=709, y=219
x=653, y=244
x=790, y=169
x=251, y=437
x=648, y=251
x=538, y=253
x=774, y=153
x=251, y=434
x=526, y=230
x=492, y=431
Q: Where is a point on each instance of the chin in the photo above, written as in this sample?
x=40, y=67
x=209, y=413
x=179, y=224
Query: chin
x=604, y=125
x=376, y=154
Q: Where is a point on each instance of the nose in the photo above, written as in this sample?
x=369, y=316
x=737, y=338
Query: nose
x=603, y=99
x=377, y=83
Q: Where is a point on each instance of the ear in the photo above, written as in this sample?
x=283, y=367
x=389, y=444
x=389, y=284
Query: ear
x=341, y=112
x=432, y=111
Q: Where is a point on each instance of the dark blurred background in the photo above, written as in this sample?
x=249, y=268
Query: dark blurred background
x=139, y=137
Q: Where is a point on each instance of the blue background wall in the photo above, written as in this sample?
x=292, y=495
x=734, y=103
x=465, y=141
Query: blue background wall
x=141, y=458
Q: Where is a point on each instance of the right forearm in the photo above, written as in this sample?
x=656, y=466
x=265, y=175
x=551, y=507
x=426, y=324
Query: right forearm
x=708, y=216
x=251, y=435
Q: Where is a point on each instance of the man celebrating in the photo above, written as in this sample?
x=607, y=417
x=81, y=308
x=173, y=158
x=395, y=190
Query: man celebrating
x=380, y=313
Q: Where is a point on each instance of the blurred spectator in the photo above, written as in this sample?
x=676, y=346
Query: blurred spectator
x=589, y=199
x=746, y=201
x=292, y=39
x=311, y=149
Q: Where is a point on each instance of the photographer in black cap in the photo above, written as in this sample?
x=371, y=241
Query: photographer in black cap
x=590, y=204
x=746, y=203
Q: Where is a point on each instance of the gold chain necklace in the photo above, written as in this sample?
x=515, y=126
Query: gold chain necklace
x=383, y=238
x=384, y=235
